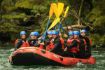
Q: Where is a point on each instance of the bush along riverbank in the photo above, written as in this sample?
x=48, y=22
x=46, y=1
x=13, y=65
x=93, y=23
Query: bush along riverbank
x=30, y=15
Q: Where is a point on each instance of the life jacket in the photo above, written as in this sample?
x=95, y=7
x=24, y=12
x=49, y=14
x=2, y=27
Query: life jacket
x=41, y=46
x=90, y=41
x=16, y=41
x=87, y=42
x=62, y=42
x=75, y=49
x=25, y=44
x=50, y=46
x=69, y=41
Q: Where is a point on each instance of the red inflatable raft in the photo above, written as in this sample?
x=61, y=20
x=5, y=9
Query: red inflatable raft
x=37, y=56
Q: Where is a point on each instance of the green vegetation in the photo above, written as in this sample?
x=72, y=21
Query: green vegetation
x=29, y=15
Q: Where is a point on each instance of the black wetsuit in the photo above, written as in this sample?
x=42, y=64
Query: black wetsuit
x=47, y=42
x=82, y=52
x=57, y=46
x=33, y=43
x=87, y=49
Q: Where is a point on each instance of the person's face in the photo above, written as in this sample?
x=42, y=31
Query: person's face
x=71, y=37
x=23, y=36
x=69, y=29
x=49, y=36
x=54, y=36
x=33, y=37
x=75, y=36
x=60, y=34
x=83, y=34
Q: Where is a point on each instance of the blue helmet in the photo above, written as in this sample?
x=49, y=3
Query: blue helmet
x=71, y=33
x=22, y=33
x=83, y=31
x=34, y=34
x=54, y=32
x=76, y=33
x=49, y=32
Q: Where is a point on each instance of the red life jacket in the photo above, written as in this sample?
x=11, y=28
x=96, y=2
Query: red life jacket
x=25, y=44
x=85, y=43
x=62, y=42
x=50, y=46
x=41, y=46
x=74, y=49
x=90, y=42
x=69, y=41
x=16, y=41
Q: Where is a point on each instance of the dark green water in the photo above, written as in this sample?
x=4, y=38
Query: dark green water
x=5, y=65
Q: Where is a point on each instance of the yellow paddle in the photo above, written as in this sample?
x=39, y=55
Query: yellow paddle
x=58, y=9
x=57, y=19
x=51, y=12
x=66, y=11
x=54, y=23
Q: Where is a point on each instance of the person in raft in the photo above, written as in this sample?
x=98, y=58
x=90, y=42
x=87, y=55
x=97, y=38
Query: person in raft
x=71, y=49
x=33, y=41
x=49, y=34
x=56, y=43
x=48, y=41
x=70, y=39
x=22, y=42
x=87, y=49
x=76, y=46
x=73, y=45
x=69, y=28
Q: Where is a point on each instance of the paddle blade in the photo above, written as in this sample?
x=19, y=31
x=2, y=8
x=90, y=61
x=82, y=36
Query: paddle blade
x=60, y=8
x=54, y=23
x=66, y=11
x=51, y=12
x=55, y=9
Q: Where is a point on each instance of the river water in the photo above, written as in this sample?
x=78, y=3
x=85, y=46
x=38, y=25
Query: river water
x=5, y=65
